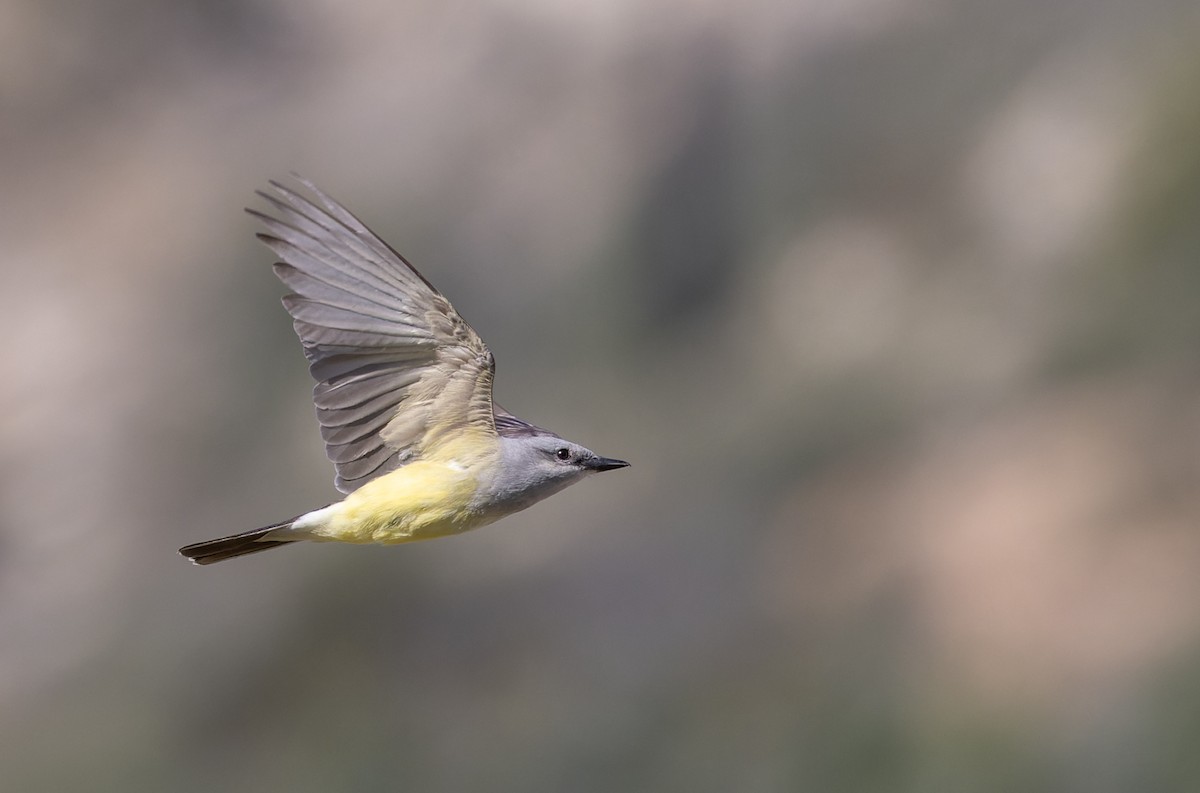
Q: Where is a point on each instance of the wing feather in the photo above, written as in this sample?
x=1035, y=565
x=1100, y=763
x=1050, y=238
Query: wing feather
x=360, y=389
x=347, y=432
x=344, y=242
x=511, y=426
x=397, y=369
x=353, y=474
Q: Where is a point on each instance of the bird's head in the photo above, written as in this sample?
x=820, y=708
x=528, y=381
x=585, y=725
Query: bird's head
x=539, y=464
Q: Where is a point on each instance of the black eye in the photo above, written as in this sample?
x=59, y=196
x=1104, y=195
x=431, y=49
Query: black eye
x=563, y=454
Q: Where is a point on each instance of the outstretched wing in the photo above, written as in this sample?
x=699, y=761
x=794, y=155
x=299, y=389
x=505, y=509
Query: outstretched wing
x=398, y=370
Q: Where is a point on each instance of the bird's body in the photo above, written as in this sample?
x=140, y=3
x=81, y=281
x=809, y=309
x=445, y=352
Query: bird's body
x=403, y=397
x=421, y=500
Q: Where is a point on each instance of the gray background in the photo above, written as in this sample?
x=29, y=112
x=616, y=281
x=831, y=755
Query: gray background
x=893, y=304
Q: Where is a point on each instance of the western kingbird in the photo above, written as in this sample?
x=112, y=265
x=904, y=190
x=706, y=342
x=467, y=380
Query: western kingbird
x=403, y=395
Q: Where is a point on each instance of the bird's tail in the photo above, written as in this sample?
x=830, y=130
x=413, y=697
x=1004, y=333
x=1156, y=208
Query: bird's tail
x=222, y=548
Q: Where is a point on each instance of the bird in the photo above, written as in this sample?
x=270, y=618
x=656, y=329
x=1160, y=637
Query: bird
x=403, y=394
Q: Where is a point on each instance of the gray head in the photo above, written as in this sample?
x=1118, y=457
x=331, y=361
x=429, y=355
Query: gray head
x=534, y=465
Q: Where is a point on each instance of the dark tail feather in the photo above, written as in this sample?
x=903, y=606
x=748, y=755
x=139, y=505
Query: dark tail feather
x=223, y=548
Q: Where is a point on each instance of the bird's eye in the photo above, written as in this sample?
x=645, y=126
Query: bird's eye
x=563, y=454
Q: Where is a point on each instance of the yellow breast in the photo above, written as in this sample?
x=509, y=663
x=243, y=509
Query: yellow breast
x=424, y=499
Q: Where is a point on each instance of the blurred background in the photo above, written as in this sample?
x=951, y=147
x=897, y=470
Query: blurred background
x=893, y=304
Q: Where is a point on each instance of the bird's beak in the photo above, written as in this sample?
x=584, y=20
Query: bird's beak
x=606, y=464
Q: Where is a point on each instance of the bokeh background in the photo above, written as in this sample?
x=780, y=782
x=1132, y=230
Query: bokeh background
x=893, y=304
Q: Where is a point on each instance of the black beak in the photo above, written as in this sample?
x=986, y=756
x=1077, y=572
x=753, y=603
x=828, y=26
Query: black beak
x=606, y=464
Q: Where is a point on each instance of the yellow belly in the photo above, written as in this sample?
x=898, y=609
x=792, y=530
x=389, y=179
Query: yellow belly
x=416, y=502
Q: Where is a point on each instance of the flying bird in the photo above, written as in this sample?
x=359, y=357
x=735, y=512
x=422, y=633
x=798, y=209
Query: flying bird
x=403, y=395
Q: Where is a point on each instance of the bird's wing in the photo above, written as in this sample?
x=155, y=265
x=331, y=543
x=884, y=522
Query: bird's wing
x=510, y=426
x=398, y=370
